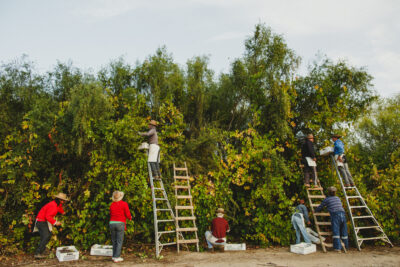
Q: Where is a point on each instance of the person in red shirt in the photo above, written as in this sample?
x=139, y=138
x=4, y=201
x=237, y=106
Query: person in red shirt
x=219, y=228
x=45, y=221
x=119, y=212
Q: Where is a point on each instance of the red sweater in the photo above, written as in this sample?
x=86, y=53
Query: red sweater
x=219, y=227
x=48, y=212
x=119, y=211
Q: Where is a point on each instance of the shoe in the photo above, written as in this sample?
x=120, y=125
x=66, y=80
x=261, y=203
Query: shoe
x=210, y=249
x=119, y=259
x=338, y=251
x=307, y=185
x=346, y=185
x=40, y=256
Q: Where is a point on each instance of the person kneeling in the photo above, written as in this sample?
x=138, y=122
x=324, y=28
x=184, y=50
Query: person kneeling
x=219, y=227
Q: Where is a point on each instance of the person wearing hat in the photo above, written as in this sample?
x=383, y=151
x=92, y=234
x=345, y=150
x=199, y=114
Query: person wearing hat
x=338, y=218
x=154, y=149
x=338, y=151
x=299, y=220
x=309, y=160
x=45, y=222
x=219, y=228
x=119, y=212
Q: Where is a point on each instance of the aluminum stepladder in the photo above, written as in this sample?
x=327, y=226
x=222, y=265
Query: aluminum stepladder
x=184, y=204
x=321, y=219
x=360, y=215
x=161, y=205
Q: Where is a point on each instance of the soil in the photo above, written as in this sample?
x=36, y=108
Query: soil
x=270, y=257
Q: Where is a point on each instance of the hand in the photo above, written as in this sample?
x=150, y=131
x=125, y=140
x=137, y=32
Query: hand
x=315, y=159
x=309, y=223
x=57, y=224
x=340, y=159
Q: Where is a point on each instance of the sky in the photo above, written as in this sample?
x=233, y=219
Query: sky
x=91, y=33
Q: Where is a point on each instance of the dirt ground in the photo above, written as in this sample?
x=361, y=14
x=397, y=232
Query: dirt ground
x=271, y=257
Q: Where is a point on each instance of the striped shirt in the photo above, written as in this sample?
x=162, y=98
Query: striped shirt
x=333, y=204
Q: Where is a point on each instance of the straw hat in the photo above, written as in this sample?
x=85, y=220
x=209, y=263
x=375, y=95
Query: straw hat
x=61, y=196
x=117, y=196
x=153, y=122
x=220, y=210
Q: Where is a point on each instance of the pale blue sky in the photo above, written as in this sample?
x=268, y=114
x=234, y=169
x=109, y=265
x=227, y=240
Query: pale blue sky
x=93, y=32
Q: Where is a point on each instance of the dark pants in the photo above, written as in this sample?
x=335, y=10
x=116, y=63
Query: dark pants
x=339, y=229
x=45, y=235
x=309, y=172
x=117, y=237
x=155, y=169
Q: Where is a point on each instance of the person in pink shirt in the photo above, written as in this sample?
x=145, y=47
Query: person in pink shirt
x=45, y=222
x=119, y=212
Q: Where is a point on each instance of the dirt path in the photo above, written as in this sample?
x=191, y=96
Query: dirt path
x=271, y=257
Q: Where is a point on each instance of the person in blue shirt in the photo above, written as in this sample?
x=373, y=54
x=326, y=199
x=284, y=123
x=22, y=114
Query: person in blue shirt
x=338, y=218
x=299, y=218
x=341, y=162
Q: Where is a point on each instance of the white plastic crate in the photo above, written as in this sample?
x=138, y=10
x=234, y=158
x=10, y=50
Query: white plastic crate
x=69, y=253
x=303, y=248
x=326, y=151
x=143, y=146
x=235, y=246
x=101, y=250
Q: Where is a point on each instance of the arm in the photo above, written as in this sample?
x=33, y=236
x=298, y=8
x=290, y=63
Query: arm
x=51, y=211
x=305, y=213
x=127, y=212
x=149, y=133
x=310, y=147
x=321, y=206
x=60, y=209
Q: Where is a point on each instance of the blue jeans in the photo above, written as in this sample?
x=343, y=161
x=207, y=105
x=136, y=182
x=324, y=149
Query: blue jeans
x=297, y=222
x=210, y=244
x=339, y=229
x=117, y=237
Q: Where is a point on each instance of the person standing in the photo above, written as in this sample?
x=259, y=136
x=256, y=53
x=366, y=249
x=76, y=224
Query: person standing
x=219, y=228
x=309, y=160
x=341, y=161
x=299, y=218
x=154, y=149
x=119, y=212
x=338, y=219
x=45, y=222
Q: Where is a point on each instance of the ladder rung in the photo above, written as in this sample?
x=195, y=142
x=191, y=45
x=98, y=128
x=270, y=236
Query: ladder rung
x=188, y=241
x=315, y=188
x=325, y=233
x=158, y=188
x=164, y=210
x=180, y=169
x=166, y=244
x=361, y=217
x=323, y=223
x=322, y=214
x=169, y=220
x=354, y=197
x=190, y=229
x=316, y=196
x=315, y=205
x=185, y=218
x=366, y=227
x=160, y=198
x=372, y=238
x=182, y=177
x=182, y=186
x=349, y=187
x=166, y=232
x=183, y=197
x=184, y=207
x=357, y=207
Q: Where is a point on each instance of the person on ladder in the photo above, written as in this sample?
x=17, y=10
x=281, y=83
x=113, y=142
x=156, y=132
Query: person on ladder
x=309, y=160
x=154, y=149
x=341, y=161
x=338, y=219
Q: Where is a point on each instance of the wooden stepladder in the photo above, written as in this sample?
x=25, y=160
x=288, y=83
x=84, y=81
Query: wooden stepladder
x=186, y=229
x=365, y=225
x=322, y=219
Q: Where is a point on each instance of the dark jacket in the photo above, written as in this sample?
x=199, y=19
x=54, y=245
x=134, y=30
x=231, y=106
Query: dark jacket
x=307, y=150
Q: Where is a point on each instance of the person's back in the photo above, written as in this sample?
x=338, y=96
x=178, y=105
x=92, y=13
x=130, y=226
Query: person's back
x=332, y=203
x=219, y=227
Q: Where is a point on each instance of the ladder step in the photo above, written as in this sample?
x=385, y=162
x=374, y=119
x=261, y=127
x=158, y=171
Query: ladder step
x=315, y=205
x=366, y=227
x=182, y=187
x=314, y=188
x=354, y=197
x=182, y=177
x=372, y=238
x=169, y=220
x=157, y=188
x=323, y=223
x=190, y=229
x=188, y=241
x=325, y=233
x=184, y=207
x=185, y=218
x=316, y=196
x=160, y=198
x=180, y=169
x=167, y=244
x=361, y=217
x=164, y=210
x=322, y=214
x=349, y=187
x=166, y=232
x=357, y=207
x=183, y=197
